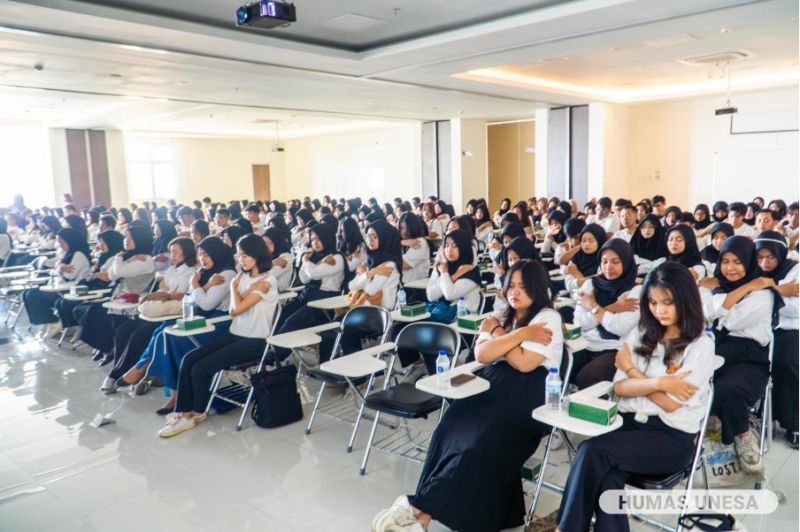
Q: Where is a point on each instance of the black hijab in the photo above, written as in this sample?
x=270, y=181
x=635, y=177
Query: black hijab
x=330, y=220
x=221, y=255
x=234, y=233
x=776, y=243
x=754, y=208
x=304, y=214
x=705, y=223
x=745, y=251
x=588, y=263
x=245, y=224
x=279, y=240
x=512, y=230
x=607, y=291
x=690, y=256
x=510, y=217
x=168, y=232
x=566, y=208
x=523, y=247
x=389, y=248
x=649, y=248
x=76, y=222
x=709, y=253
x=720, y=206
x=53, y=226
x=115, y=243
x=76, y=243
x=573, y=227
x=327, y=236
x=464, y=244
x=142, y=240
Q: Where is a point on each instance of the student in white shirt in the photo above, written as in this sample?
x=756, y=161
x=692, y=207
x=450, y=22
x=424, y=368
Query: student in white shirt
x=555, y=232
x=648, y=243
x=607, y=311
x=682, y=248
x=771, y=254
x=253, y=301
x=736, y=219
x=719, y=232
x=6, y=243
x=132, y=337
x=456, y=275
x=585, y=261
x=73, y=268
x=484, y=227
x=520, y=248
x=627, y=222
x=482, y=441
x=571, y=244
x=661, y=377
x=350, y=243
x=416, y=253
x=133, y=272
x=739, y=302
x=435, y=226
x=604, y=218
x=282, y=263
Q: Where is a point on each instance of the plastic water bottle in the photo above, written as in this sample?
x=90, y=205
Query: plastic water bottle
x=188, y=306
x=401, y=297
x=552, y=390
x=462, y=308
x=442, y=366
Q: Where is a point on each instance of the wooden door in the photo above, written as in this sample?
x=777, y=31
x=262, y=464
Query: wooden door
x=261, y=182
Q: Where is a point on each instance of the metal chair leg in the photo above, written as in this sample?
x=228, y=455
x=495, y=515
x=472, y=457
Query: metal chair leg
x=245, y=409
x=363, y=469
x=316, y=405
x=214, y=385
x=539, y=480
x=360, y=413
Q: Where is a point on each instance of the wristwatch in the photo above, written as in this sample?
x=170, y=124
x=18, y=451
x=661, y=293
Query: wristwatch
x=595, y=309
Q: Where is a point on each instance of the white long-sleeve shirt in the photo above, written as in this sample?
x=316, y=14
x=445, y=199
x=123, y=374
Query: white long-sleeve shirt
x=698, y=357
x=442, y=286
x=283, y=273
x=619, y=323
x=5, y=247
x=257, y=321
x=419, y=259
x=134, y=275
x=749, y=318
x=330, y=276
x=789, y=312
x=216, y=297
x=177, y=279
x=81, y=268
x=379, y=283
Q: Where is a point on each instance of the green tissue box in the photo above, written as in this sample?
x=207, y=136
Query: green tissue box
x=414, y=309
x=78, y=290
x=188, y=325
x=473, y=323
x=531, y=468
x=571, y=331
x=593, y=409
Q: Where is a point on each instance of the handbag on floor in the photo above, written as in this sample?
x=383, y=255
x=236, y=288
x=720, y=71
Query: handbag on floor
x=277, y=401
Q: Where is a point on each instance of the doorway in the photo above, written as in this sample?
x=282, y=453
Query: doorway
x=261, y=182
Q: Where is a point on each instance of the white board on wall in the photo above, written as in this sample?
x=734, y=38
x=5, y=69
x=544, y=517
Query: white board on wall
x=741, y=175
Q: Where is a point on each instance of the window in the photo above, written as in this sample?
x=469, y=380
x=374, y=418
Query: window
x=151, y=172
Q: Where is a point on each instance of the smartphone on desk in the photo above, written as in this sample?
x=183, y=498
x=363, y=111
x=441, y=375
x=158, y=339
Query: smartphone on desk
x=461, y=378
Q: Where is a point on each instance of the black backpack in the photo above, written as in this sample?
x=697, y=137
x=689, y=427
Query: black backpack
x=277, y=401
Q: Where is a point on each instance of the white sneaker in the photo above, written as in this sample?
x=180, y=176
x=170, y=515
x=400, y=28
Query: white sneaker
x=177, y=425
x=109, y=386
x=748, y=447
x=398, y=518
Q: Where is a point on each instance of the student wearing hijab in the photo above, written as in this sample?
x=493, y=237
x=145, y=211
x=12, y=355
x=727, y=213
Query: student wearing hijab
x=132, y=337
x=210, y=289
x=740, y=302
x=133, y=272
x=720, y=211
x=280, y=247
x=231, y=235
x=79, y=224
x=702, y=216
x=586, y=260
x=505, y=206
x=555, y=231
x=571, y=244
x=771, y=255
x=750, y=215
x=607, y=311
x=648, y=243
x=199, y=230
x=245, y=224
x=455, y=276
x=350, y=243
x=164, y=232
x=323, y=274
x=719, y=232
x=520, y=248
x=509, y=231
x=73, y=268
x=416, y=253
x=682, y=248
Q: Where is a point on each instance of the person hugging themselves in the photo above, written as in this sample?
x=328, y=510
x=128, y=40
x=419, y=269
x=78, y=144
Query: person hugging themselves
x=520, y=248
x=585, y=259
x=555, y=231
x=164, y=232
x=253, y=300
x=661, y=380
x=682, y=248
x=771, y=254
x=648, y=243
x=470, y=481
x=280, y=247
x=741, y=304
x=416, y=253
x=607, y=311
x=455, y=276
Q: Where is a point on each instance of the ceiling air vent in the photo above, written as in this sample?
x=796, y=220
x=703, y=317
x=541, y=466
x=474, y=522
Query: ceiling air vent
x=716, y=58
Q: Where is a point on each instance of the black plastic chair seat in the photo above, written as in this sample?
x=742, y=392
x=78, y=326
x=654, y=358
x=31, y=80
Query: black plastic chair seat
x=657, y=482
x=335, y=380
x=404, y=400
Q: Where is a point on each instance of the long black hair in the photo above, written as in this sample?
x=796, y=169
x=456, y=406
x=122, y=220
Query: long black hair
x=676, y=279
x=254, y=247
x=167, y=233
x=415, y=227
x=76, y=243
x=280, y=241
x=348, y=236
x=234, y=232
x=537, y=284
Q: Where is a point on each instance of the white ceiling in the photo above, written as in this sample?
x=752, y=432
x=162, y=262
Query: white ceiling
x=124, y=64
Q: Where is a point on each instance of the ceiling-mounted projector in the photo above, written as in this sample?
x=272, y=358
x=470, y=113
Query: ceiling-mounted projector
x=278, y=149
x=266, y=14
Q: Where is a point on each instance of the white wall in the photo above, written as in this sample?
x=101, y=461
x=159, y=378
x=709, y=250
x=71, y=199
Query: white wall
x=117, y=168
x=59, y=162
x=383, y=163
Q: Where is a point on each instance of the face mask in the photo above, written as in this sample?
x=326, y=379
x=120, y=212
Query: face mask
x=494, y=254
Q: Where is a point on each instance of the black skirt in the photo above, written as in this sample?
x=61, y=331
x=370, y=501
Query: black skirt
x=471, y=477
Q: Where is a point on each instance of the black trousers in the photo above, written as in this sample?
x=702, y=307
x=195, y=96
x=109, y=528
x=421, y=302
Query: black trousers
x=66, y=312
x=40, y=305
x=591, y=367
x=130, y=340
x=98, y=325
x=302, y=318
x=200, y=365
x=785, y=379
x=606, y=462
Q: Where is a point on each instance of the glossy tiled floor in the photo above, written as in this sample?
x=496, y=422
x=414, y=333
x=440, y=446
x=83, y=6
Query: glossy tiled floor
x=57, y=473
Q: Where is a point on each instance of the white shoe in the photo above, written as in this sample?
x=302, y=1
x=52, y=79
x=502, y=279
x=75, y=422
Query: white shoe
x=398, y=518
x=109, y=386
x=177, y=425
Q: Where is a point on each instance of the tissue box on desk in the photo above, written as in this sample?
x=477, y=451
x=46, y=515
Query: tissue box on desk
x=78, y=290
x=471, y=322
x=188, y=325
x=571, y=331
x=414, y=309
x=593, y=409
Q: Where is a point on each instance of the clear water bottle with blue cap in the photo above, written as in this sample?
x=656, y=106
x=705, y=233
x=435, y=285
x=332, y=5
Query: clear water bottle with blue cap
x=401, y=297
x=442, y=367
x=188, y=306
x=552, y=390
x=462, y=309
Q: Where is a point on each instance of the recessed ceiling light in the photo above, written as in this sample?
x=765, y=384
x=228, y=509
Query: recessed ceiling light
x=115, y=75
x=615, y=48
x=725, y=30
x=565, y=58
